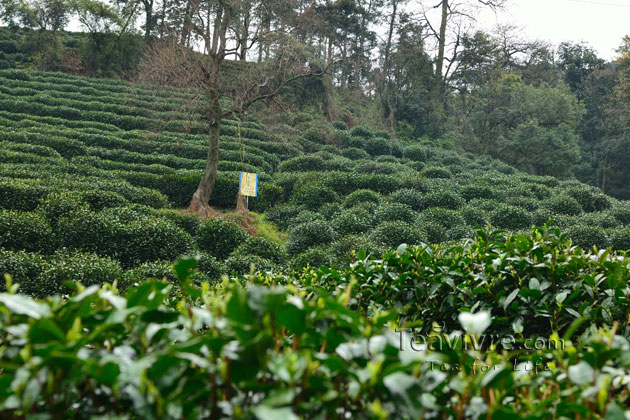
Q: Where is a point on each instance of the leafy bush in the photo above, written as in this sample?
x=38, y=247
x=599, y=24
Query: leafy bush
x=563, y=204
x=309, y=234
x=220, y=237
x=394, y=212
x=391, y=234
x=620, y=239
x=340, y=125
x=436, y=172
x=510, y=217
x=590, y=199
x=244, y=264
x=588, y=236
x=317, y=135
x=621, y=212
x=28, y=231
x=355, y=153
x=314, y=257
x=282, y=215
x=88, y=269
x=314, y=196
x=409, y=197
x=377, y=146
x=302, y=164
x=263, y=248
x=362, y=131
x=361, y=196
x=24, y=267
x=352, y=221
x=443, y=199
x=187, y=222
x=472, y=191
x=98, y=200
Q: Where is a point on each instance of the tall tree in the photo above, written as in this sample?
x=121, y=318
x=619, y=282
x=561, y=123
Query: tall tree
x=215, y=24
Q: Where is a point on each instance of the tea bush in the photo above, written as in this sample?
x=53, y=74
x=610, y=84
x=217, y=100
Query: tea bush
x=25, y=231
x=563, y=204
x=620, y=239
x=588, y=236
x=394, y=212
x=309, y=234
x=391, y=234
x=443, y=199
x=377, y=146
x=436, y=172
x=314, y=196
x=409, y=197
x=510, y=217
x=220, y=237
x=263, y=248
x=361, y=196
x=362, y=131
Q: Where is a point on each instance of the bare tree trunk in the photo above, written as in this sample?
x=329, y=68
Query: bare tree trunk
x=439, y=65
x=201, y=197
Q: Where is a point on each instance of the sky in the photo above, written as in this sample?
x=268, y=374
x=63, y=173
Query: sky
x=601, y=23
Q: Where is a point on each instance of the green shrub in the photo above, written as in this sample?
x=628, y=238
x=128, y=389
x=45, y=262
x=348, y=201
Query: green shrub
x=154, y=239
x=563, y=204
x=210, y=267
x=309, y=234
x=589, y=198
x=361, y=196
x=377, y=146
x=436, y=172
x=268, y=196
x=99, y=200
x=302, y=164
x=283, y=214
x=472, y=191
x=314, y=257
x=24, y=267
x=391, y=234
x=86, y=268
x=588, y=236
x=540, y=217
x=263, y=248
x=394, y=212
x=355, y=153
x=244, y=264
x=188, y=222
x=314, y=196
x=620, y=239
x=409, y=197
x=58, y=204
x=16, y=194
x=475, y=216
x=317, y=135
x=621, y=212
x=352, y=221
x=346, y=248
x=28, y=231
x=416, y=166
x=598, y=218
x=220, y=237
x=510, y=217
x=340, y=125
x=443, y=199
x=362, y=131
x=330, y=210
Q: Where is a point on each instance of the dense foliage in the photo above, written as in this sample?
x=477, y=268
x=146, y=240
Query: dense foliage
x=273, y=346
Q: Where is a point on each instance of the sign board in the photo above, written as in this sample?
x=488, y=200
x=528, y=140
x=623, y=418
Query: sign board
x=248, y=184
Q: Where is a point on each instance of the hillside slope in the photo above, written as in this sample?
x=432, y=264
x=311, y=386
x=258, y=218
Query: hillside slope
x=92, y=172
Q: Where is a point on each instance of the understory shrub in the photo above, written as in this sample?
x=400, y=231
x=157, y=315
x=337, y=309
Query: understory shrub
x=588, y=236
x=309, y=234
x=220, y=237
x=444, y=199
x=314, y=196
x=264, y=248
x=392, y=234
x=409, y=197
x=510, y=217
x=563, y=204
x=436, y=172
x=27, y=231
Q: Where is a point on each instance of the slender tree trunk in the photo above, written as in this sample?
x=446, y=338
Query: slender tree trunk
x=439, y=65
x=148, y=24
x=201, y=197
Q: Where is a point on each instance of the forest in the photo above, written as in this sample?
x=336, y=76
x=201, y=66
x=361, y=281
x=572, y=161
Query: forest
x=440, y=225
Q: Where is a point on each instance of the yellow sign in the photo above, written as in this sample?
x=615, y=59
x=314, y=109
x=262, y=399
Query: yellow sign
x=248, y=184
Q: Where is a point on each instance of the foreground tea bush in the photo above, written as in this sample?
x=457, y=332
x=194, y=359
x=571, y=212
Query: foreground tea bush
x=272, y=352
